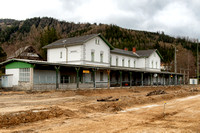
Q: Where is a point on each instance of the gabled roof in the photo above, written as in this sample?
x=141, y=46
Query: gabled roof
x=27, y=52
x=76, y=41
x=124, y=52
x=147, y=53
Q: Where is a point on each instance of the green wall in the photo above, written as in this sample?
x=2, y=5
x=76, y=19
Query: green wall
x=13, y=65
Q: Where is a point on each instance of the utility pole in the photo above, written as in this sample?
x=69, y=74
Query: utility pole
x=175, y=70
x=197, y=62
x=175, y=67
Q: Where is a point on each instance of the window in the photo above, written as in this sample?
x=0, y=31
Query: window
x=92, y=76
x=152, y=64
x=117, y=61
x=129, y=63
x=156, y=64
x=101, y=76
x=60, y=54
x=134, y=63
x=101, y=57
x=110, y=60
x=24, y=74
x=64, y=79
x=123, y=62
x=96, y=41
x=92, y=56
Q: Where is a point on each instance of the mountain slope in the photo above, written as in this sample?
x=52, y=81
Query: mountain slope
x=40, y=31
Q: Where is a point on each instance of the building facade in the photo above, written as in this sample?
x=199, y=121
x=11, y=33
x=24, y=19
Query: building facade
x=88, y=62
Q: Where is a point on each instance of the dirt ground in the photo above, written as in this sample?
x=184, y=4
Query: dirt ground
x=170, y=109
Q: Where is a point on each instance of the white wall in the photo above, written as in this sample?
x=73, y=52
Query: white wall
x=141, y=63
x=15, y=73
x=75, y=53
x=126, y=58
x=155, y=58
x=97, y=48
x=53, y=55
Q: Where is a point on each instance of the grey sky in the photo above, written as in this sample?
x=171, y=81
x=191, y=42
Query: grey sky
x=174, y=17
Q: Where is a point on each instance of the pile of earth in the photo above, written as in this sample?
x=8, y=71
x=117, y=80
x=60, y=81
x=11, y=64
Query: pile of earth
x=16, y=118
x=156, y=92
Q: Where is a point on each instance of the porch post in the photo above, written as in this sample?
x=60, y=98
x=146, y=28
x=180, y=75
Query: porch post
x=94, y=75
x=151, y=79
x=31, y=77
x=157, y=80
x=142, y=83
x=57, y=70
x=120, y=72
x=175, y=83
x=163, y=80
x=77, y=77
x=130, y=78
x=108, y=72
x=169, y=79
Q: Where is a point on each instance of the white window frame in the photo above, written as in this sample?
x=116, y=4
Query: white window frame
x=97, y=41
x=24, y=74
x=61, y=54
x=123, y=62
x=92, y=56
x=134, y=65
x=101, y=57
x=129, y=63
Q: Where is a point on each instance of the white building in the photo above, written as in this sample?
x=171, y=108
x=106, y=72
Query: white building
x=88, y=61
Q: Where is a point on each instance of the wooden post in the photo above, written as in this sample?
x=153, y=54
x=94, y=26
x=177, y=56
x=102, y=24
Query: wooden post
x=108, y=72
x=151, y=80
x=57, y=70
x=77, y=77
x=142, y=83
x=94, y=82
x=130, y=78
x=120, y=72
x=157, y=80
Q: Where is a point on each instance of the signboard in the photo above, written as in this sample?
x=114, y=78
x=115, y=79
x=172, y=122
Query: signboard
x=86, y=71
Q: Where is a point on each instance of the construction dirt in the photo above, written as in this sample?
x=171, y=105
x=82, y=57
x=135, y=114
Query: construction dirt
x=173, y=109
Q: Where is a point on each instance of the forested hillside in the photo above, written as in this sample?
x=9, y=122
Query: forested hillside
x=39, y=32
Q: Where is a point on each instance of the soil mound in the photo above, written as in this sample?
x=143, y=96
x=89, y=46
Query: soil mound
x=156, y=92
x=16, y=118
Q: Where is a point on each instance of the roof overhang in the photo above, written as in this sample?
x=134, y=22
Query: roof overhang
x=87, y=66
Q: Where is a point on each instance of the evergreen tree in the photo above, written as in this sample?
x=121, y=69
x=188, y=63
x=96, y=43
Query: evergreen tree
x=47, y=37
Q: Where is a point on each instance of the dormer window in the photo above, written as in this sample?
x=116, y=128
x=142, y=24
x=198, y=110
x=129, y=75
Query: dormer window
x=96, y=41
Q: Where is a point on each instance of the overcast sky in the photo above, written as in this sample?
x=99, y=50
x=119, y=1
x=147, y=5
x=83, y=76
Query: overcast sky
x=174, y=17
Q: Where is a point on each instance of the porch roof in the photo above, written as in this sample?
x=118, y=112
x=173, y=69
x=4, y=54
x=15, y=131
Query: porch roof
x=37, y=62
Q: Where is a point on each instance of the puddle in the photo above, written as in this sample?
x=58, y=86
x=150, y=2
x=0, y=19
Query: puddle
x=143, y=107
x=188, y=98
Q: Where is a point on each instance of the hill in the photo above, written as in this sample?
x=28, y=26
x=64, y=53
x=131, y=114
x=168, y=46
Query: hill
x=38, y=32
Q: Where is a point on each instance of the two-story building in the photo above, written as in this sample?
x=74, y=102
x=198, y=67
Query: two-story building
x=88, y=61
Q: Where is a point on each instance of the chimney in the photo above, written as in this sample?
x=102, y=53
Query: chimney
x=126, y=49
x=134, y=50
